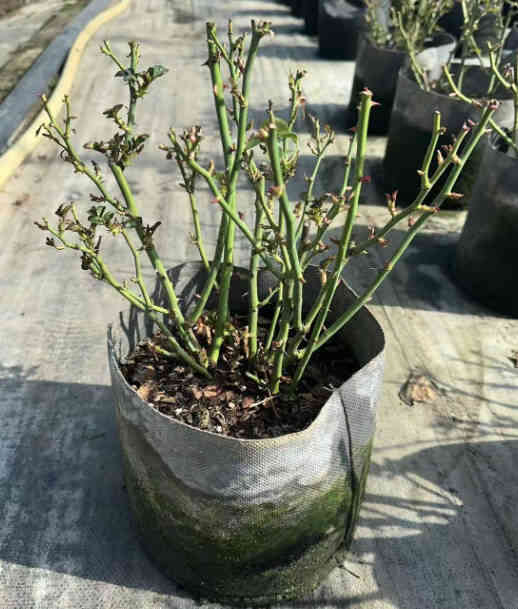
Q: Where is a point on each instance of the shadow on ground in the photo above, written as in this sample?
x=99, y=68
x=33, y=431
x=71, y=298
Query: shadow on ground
x=63, y=506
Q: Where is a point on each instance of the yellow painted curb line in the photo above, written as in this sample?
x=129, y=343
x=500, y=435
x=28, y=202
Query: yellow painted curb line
x=26, y=143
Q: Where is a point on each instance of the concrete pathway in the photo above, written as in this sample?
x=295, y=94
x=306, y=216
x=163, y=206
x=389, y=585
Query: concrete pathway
x=439, y=527
x=18, y=27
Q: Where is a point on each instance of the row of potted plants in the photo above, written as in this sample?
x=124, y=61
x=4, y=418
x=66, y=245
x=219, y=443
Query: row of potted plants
x=447, y=56
x=245, y=397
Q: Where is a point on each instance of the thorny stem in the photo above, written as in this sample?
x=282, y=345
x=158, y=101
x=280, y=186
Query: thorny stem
x=179, y=351
x=275, y=319
x=289, y=218
x=228, y=57
x=313, y=250
x=443, y=195
x=328, y=290
x=419, y=73
x=494, y=125
x=134, y=57
x=253, y=294
x=219, y=198
x=320, y=150
x=211, y=281
x=138, y=270
x=63, y=140
x=100, y=268
x=155, y=260
x=427, y=183
x=510, y=84
x=189, y=185
x=146, y=305
x=228, y=264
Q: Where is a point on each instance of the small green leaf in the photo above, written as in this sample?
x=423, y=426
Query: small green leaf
x=157, y=71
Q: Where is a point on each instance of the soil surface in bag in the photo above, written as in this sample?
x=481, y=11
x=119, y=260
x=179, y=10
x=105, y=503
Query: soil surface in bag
x=232, y=403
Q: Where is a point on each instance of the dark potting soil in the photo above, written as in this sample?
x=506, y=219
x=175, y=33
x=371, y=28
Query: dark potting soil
x=231, y=403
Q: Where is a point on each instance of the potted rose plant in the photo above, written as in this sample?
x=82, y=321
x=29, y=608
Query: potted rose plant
x=417, y=94
x=411, y=32
x=245, y=397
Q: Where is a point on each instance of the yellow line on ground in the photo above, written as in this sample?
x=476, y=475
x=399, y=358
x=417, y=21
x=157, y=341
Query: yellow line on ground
x=26, y=143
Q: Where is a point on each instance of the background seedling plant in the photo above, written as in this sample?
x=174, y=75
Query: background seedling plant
x=414, y=22
x=504, y=74
x=285, y=236
x=411, y=24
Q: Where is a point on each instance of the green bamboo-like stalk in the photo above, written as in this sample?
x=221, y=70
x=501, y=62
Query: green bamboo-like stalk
x=253, y=294
x=228, y=263
x=288, y=216
x=219, y=97
x=328, y=290
x=189, y=185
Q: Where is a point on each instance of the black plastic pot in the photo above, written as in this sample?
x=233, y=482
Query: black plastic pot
x=339, y=26
x=377, y=68
x=452, y=21
x=411, y=128
x=487, y=252
x=310, y=14
x=248, y=521
x=296, y=7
